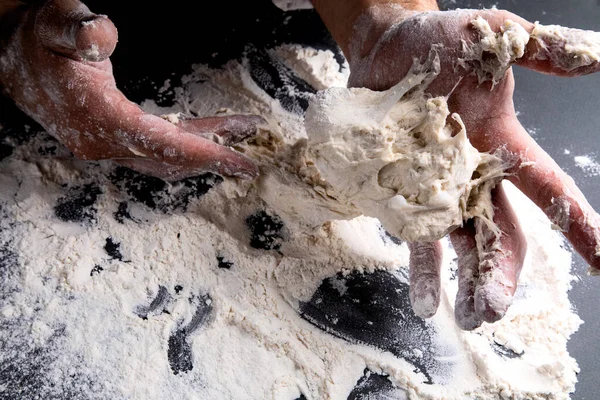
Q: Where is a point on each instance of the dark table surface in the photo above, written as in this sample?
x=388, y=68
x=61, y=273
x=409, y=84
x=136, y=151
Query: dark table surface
x=561, y=113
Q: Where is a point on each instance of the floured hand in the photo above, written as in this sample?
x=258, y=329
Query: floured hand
x=54, y=64
x=384, y=42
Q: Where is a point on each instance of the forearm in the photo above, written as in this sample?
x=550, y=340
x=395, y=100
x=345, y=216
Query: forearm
x=340, y=16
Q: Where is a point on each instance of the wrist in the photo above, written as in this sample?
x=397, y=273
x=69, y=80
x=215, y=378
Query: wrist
x=355, y=24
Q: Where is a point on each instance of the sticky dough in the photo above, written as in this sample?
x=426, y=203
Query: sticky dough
x=393, y=155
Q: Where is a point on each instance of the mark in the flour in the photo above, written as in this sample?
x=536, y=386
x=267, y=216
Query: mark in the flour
x=376, y=386
x=9, y=256
x=277, y=80
x=78, y=204
x=123, y=213
x=375, y=309
x=179, y=350
x=503, y=350
x=96, y=270
x=223, y=264
x=266, y=231
x=48, y=150
x=156, y=306
x=32, y=371
x=113, y=249
x=160, y=195
x=388, y=237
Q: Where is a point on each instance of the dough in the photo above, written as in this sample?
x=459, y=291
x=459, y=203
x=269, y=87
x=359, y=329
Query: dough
x=392, y=155
x=507, y=46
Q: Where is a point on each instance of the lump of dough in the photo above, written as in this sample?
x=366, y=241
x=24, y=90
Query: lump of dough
x=392, y=155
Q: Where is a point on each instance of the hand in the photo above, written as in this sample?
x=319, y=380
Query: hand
x=54, y=64
x=381, y=52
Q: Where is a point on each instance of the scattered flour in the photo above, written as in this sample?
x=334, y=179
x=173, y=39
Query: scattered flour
x=318, y=68
x=588, y=164
x=238, y=329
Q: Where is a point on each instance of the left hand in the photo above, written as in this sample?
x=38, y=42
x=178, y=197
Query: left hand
x=54, y=64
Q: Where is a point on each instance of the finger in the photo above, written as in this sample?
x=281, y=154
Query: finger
x=562, y=51
x=501, y=250
x=69, y=28
x=106, y=114
x=538, y=176
x=424, y=277
x=228, y=129
x=552, y=49
x=153, y=142
x=157, y=139
x=463, y=240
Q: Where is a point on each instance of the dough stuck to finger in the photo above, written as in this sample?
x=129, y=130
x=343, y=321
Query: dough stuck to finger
x=506, y=46
x=566, y=48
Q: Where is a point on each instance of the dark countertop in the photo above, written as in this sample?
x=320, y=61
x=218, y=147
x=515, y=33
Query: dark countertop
x=561, y=113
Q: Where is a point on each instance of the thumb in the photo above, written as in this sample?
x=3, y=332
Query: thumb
x=69, y=28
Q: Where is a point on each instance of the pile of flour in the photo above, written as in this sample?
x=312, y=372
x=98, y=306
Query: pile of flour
x=145, y=301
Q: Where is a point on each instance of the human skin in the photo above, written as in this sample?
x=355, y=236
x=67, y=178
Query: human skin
x=54, y=63
x=380, y=40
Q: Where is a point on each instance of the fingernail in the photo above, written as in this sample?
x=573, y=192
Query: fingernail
x=255, y=119
x=425, y=297
x=491, y=302
x=96, y=38
x=246, y=175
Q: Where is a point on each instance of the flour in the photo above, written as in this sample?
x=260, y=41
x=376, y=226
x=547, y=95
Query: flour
x=588, y=164
x=176, y=295
x=318, y=68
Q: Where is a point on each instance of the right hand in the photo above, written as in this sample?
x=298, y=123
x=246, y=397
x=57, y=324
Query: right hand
x=489, y=266
x=54, y=63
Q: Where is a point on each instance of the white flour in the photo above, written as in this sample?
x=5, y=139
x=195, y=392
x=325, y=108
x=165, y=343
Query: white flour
x=588, y=164
x=67, y=302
